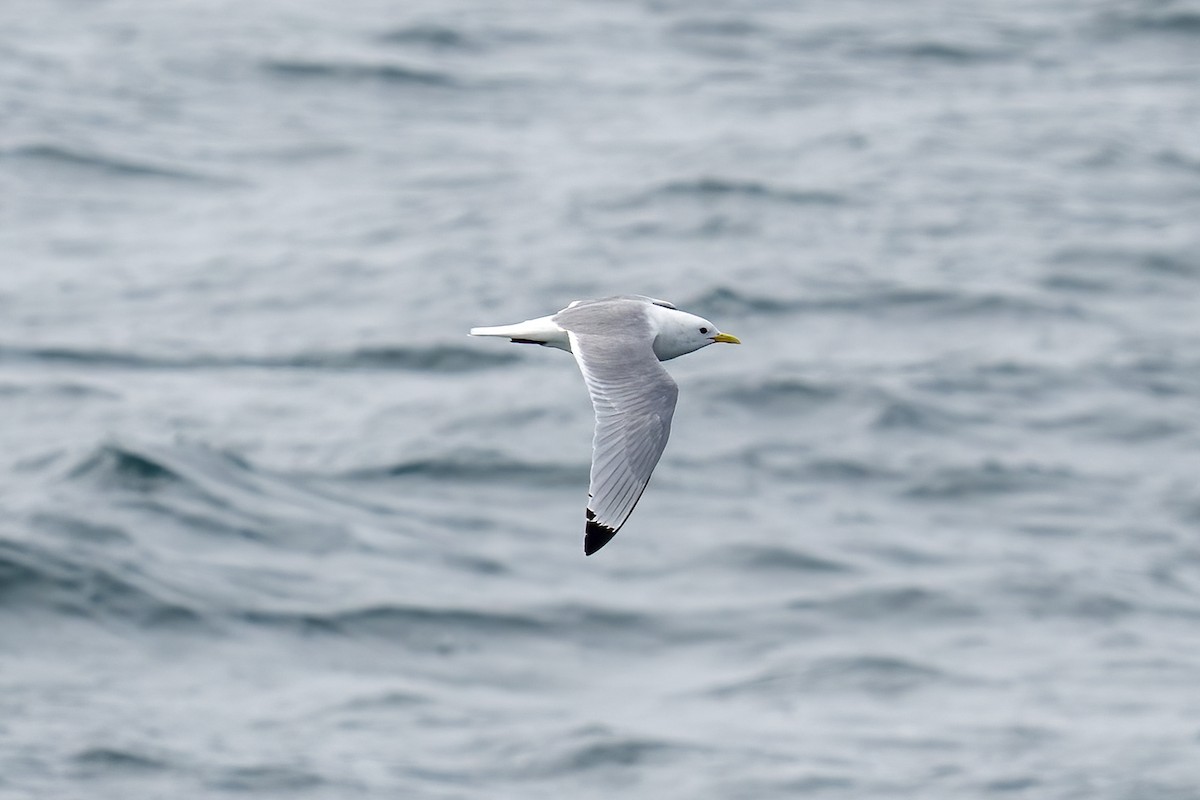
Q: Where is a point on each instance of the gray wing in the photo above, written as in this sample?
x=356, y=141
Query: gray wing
x=634, y=399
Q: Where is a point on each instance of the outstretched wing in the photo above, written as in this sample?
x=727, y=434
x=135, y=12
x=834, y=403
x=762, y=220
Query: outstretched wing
x=634, y=399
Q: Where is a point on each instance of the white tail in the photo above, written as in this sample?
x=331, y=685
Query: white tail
x=538, y=331
x=506, y=331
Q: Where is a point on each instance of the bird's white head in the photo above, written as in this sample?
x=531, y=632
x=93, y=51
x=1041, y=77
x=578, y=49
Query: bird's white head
x=680, y=333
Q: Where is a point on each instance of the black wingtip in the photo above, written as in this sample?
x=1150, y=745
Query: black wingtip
x=596, y=535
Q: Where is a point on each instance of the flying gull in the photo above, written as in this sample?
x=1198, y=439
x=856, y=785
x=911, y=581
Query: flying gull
x=618, y=342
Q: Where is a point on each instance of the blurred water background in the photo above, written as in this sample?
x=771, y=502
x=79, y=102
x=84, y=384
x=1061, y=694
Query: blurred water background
x=271, y=525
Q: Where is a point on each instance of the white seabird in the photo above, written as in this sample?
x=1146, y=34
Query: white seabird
x=618, y=343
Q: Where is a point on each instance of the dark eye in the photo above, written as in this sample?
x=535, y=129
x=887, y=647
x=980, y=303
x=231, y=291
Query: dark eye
x=704, y=330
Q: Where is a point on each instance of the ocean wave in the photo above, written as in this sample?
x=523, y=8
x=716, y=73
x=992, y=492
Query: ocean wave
x=208, y=485
x=434, y=358
x=1177, y=158
x=441, y=626
x=592, y=748
x=1116, y=263
x=775, y=558
x=782, y=392
x=487, y=466
x=105, y=760
x=80, y=530
x=726, y=301
x=873, y=674
x=849, y=470
x=988, y=478
x=733, y=27
x=800, y=464
x=710, y=188
x=382, y=701
x=110, y=165
x=72, y=390
x=143, y=468
x=1116, y=425
x=892, y=604
x=440, y=37
x=1041, y=598
x=946, y=52
x=110, y=582
x=265, y=778
x=383, y=72
x=476, y=37
x=33, y=576
x=395, y=621
x=195, y=490
x=100, y=568
x=951, y=303
x=878, y=298
x=1165, y=374
x=614, y=752
x=1005, y=378
x=610, y=625
x=898, y=414
x=1167, y=20
x=125, y=467
x=1177, y=264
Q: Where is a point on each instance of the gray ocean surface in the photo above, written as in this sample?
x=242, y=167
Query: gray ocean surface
x=272, y=525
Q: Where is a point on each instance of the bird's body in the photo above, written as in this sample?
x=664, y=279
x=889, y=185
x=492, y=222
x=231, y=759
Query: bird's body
x=618, y=343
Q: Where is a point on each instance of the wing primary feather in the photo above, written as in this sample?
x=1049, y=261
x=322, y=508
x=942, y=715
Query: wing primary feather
x=596, y=536
x=634, y=400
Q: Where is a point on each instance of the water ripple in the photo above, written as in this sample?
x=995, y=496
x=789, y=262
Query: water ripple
x=433, y=358
x=350, y=71
x=34, y=577
x=487, y=466
x=106, y=164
